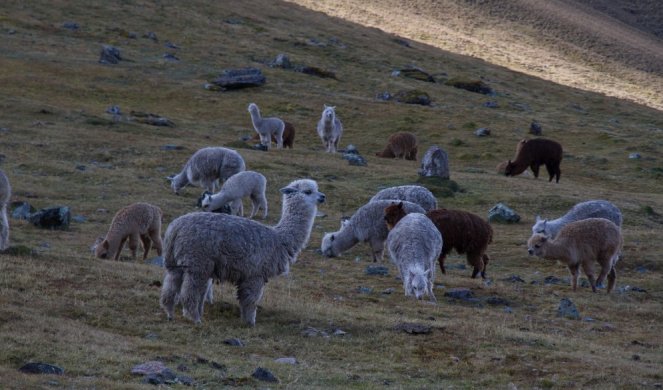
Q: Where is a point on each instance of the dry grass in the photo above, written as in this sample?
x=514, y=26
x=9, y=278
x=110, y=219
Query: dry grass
x=97, y=319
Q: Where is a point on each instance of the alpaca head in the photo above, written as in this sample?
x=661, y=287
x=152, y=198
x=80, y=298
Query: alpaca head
x=540, y=226
x=418, y=282
x=327, y=247
x=536, y=245
x=206, y=201
x=253, y=108
x=304, y=191
x=393, y=213
x=328, y=114
x=509, y=169
x=101, y=251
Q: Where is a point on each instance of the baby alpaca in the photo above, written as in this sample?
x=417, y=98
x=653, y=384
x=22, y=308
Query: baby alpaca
x=400, y=145
x=330, y=129
x=238, y=186
x=5, y=196
x=138, y=221
x=580, y=244
x=413, y=245
x=267, y=127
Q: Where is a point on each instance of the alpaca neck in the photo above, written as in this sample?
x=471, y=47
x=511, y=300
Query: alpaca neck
x=344, y=239
x=295, y=225
x=556, y=250
x=256, y=119
x=181, y=179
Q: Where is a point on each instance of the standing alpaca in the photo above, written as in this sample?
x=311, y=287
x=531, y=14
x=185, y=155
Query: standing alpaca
x=208, y=166
x=138, y=221
x=200, y=246
x=288, y=135
x=330, y=129
x=536, y=152
x=580, y=244
x=400, y=145
x=5, y=196
x=238, y=186
x=267, y=127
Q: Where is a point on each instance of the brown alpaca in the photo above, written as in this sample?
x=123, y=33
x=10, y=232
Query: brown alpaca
x=288, y=135
x=533, y=154
x=400, y=145
x=136, y=221
x=501, y=167
x=465, y=232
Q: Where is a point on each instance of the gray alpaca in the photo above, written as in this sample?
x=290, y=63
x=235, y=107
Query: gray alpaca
x=202, y=245
x=208, y=166
x=330, y=129
x=583, y=210
x=267, y=127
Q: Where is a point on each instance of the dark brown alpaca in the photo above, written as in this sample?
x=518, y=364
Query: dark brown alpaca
x=400, y=145
x=288, y=135
x=533, y=154
x=465, y=232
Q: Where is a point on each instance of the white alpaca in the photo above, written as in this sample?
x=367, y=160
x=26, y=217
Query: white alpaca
x=5, y=196
x=267, y=127
x=330, y=129
x=238, y=186
x=208, y=166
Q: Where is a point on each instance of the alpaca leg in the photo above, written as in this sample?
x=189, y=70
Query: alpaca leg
x=612, y=277
x=134, y=238
x=574, y=276
x=279, y=139
x=4, y=229
x=535, y=169
x=589, y=271
x=193, y=290
x=172, y=283
x=475, y=261
x=263, y=204
x=249, y=293
x=255, y=205
x=147, y=244
x=377, y=247
x=441, y=260
x=485, y=259
x=235, y=208
x=604, y=272
x=558, y=172
x=551, y=171
x=209, y=296
x=156, y=241
x=119, y=249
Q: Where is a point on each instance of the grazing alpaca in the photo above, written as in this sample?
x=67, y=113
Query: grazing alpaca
x=288, y=135
x=267, y=127
x=583, y=210
x=533, y=154
x=400, y=145
x=202, y=245
x=465, y=232
x=580, y=244
x=5, y=196
x=330, y=129
x=238, y=186
x=208, y=166
x=412, y=193
x=138, y=221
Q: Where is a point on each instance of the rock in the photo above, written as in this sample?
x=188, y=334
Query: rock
x=514, y=279
x=79, y=218
x=402, y=42
x=413, y=328
x=315, y=71
x=165, y=377
x=113, y=110
x=435, y=163
x=110, y=55
x=151, y=35
x=377, y=270
x=556, y=281
x=641, y=269
x=261, y=147
x=281, y=61
x=239, y=78
x=635, y=156
x=388, y=291
x=51, y=218
x=364, y=290
x=21, y=210
x=235, y=342
x=158, y=261
x=567, y=309
x=147, y=368
x=502, y=214
x=151, y=119
x=459, y=293
x=491, y=104
x=313, y=332
x=170, y=45
x=287, y=360
x=482, y=132
x=386, y=96
x=355, y=159
x=476, y=86
x=414, y=73
x=170, y=147
x=262, y=374
x=170, y=57
x=41, y=368
x=413, y=96
x=496, y=301
x=535, y=128
x=626, y=288
x=73, y=26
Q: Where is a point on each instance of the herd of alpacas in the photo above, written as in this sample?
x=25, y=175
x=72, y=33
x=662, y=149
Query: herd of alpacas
x=201, y=247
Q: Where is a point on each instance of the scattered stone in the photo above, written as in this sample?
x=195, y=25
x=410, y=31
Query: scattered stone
x=514, y=279
x=388, y=291
x=627, y=288
x=151, y=119
x=287, y=360
x=41, y=368
x=508, y=310
x=413, y=96
x=459, y=293
x=158, y=261
x=413, y=328
x=167, y=376
x=641, y=269
x=110, y=55
x=377, y=270
x=476, y=86
x=567, y=309
x=151, y=35
x=386, y=96
x=261, y=147
x=152, y=336
x=170, y=147
x=535, y=128
x=281, y=61
x=482, y=132
x=315, y=71
x=147, y=368
x=503, y=214
x=364, y=290
x=355, y=159
x=51, y=218
x=496, y=301
x=635, y=156
x=73, y=26
x=414, y=73
x=262, y=374
x=402, y=42
x=21, y=210
x=435, y=163
x=235, y=342
x=79, y=218
x=11, y=31
x=556, y=281
x=491, y=104
x=170, y=57
x=339, y=332
x=239, y=78
x=81, y=167
x=170, y=45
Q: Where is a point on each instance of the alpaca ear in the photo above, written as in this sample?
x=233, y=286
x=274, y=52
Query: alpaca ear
x=105, y=244
x=400, y=205
x=287, y=190
x=332, y=238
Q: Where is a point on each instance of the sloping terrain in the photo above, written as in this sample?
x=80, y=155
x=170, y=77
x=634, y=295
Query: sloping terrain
x=97, y=318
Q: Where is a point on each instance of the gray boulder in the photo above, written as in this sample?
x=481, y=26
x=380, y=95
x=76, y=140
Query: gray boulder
x=435, y=163
x=239, y=78
x=281, y=61
x=567, y=309
x=51, y=218
x=110, y=55
x=503, y=214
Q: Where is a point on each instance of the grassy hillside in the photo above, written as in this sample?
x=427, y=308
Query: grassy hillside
x=97, y=319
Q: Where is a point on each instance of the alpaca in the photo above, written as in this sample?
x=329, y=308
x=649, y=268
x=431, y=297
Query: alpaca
x=400, y=145
x=366, y=225
x=413, y=245
x=267, y=127
x=533, y=154
x=583, y=210
x=330, y=129
x=580, y=244
x=463, y=231
x=138, y=221
x=288, y=135
x=5, y=197
x=238, y=186
x=207, y=166
x=202, y=245
x=412, y=193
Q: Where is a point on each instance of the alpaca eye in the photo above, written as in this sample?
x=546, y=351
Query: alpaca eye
x=308, y=192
